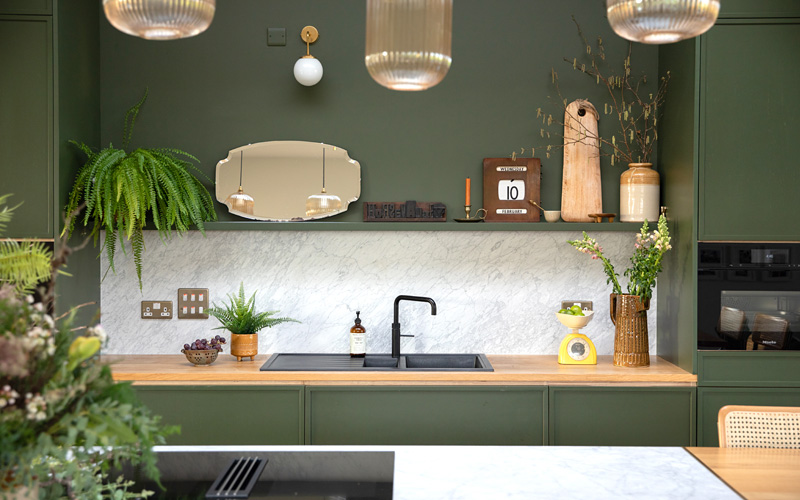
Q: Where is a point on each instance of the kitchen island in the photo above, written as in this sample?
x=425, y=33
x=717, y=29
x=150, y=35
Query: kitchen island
x=495, y=472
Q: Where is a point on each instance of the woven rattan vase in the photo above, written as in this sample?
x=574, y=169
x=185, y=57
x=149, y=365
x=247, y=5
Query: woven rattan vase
x=631, y=345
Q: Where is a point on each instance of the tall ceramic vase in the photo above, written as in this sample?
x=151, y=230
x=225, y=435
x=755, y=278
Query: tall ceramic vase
x=631, y=343
x=639, y=193
x=244, y=345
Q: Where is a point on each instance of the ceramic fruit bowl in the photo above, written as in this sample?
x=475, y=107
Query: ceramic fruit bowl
x=575, y=322
x=201, y=358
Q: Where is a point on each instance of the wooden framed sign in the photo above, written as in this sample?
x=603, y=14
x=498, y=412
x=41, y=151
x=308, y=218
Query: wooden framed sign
x=508, y=185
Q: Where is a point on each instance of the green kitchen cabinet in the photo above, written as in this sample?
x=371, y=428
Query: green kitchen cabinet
x=229, y=415
x=748, y=368
x=749, y=118
x=414, y=415
x=621, y=416
x=32, y=7
x=26, y=123
x=711, y=399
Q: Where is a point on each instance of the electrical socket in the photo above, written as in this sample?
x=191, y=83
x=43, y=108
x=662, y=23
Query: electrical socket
x=156, y=309
x=192, y=303
x=586, y=305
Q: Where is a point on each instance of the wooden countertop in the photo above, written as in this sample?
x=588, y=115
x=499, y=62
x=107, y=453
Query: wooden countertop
x=509, y=370
x=755, y=473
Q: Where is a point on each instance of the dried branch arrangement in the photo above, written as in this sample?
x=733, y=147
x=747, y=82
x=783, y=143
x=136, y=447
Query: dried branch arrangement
x=636, y=112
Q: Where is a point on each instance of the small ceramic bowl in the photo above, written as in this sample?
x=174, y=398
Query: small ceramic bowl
x=575, y=322
x=201, y=358
x=552, y=215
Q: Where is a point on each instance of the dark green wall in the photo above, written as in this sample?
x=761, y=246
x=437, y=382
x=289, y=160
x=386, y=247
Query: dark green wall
x=677, y=158
x=77, y=116
x=226, y=87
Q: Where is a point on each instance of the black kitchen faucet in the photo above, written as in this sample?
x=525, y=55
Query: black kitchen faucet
x=396, y=325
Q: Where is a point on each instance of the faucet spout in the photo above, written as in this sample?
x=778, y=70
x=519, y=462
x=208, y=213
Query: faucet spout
x=396, y=325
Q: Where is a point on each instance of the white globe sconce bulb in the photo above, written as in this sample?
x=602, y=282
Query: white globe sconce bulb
x=308, y=69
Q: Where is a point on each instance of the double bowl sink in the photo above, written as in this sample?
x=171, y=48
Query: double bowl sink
x=378, y=362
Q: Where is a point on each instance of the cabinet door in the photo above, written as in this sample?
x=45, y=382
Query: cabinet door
x=425, y=415
x=750, y=109
x=26, y=123
x=622, y=416
x=711, y=399
x=228, y=415
x=34, y=7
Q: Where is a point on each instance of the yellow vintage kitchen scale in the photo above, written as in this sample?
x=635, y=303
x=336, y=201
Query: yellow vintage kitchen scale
x=576, y=348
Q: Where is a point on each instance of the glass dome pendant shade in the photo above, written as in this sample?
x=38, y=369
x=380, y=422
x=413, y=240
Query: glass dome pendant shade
x=319, y=205
x=241, y=201
x=661, y=21
x=160, y=19
x=409, y=42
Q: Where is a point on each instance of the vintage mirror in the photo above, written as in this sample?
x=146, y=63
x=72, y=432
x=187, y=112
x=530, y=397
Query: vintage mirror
x=283, y=181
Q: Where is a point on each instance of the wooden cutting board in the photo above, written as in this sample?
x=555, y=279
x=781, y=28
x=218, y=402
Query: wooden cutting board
x=581, y=191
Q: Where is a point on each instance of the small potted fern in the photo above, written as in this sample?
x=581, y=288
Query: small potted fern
x=240, y=318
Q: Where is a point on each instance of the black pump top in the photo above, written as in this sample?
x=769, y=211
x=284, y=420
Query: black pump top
x=358, y=320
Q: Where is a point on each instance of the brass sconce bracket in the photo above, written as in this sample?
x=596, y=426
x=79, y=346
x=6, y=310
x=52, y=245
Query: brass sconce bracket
x=309, y=34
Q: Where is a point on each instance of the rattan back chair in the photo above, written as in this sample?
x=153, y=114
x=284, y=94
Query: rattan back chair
x=759, y=427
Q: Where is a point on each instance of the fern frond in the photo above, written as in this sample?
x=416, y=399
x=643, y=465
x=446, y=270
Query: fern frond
x=239, y=315
x=123, y=190
x=24, y=264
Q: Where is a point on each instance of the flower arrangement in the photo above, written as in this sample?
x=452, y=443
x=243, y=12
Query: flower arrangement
x=65, y=424
x=649, y=250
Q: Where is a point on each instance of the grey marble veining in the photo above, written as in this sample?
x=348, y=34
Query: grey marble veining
x=496, y=292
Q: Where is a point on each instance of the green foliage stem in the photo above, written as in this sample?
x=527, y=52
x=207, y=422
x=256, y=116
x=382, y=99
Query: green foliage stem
x=22, y=264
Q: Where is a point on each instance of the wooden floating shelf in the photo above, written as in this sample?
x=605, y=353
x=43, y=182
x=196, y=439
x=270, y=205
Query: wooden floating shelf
x=420, y=226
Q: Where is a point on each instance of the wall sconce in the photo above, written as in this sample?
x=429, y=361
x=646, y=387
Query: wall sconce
x=160, y=19
x=661, y=21
x=308, y=69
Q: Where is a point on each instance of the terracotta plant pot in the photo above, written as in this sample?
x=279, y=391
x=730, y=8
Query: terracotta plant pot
x=631, y=343
x=244, y=345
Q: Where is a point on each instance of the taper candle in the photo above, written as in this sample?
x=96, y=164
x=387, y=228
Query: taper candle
x=467, y=194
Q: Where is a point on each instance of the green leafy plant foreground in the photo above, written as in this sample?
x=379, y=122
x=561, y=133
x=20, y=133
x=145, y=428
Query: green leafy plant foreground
x=22, y=264
x=649, y=250
x=121, y=189
x=65, y=424
x=239, y=315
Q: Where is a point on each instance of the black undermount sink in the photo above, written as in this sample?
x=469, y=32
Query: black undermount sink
x=378, y=362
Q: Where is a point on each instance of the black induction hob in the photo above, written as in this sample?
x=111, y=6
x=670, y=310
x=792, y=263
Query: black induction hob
x=343, y=475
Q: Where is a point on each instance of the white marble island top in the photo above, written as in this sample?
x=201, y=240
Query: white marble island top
x=534, y=472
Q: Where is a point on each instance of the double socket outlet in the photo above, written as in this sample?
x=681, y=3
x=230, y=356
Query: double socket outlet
x=192, y=304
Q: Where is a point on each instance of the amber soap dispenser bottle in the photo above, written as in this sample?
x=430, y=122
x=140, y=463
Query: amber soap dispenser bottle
x=358, y=339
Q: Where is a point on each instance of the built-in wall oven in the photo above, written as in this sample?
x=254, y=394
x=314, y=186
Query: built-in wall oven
x=748, y=296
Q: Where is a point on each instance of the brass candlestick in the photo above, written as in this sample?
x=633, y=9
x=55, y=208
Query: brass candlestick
x=478, y=217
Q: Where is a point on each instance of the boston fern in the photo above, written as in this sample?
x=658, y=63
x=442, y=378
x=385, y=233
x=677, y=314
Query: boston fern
x=240, y=317
x=122, y=189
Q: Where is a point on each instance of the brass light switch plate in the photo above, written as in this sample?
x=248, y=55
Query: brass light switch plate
x=192, y=303
x=156, y=309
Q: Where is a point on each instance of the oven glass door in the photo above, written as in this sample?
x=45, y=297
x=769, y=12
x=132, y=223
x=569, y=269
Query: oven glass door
x=748, y=309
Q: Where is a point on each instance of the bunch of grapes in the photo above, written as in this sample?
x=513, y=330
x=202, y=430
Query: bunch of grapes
x=205, y=345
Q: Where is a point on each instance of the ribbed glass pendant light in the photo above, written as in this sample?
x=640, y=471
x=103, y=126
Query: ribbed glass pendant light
x=661, y=21
x=409, y=42
x=241, y=201
x=318, y=205
x=160, y=19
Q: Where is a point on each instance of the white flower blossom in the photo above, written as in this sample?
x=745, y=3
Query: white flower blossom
x=35, y=407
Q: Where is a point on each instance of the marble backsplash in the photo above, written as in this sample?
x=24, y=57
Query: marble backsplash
x=496, y=292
